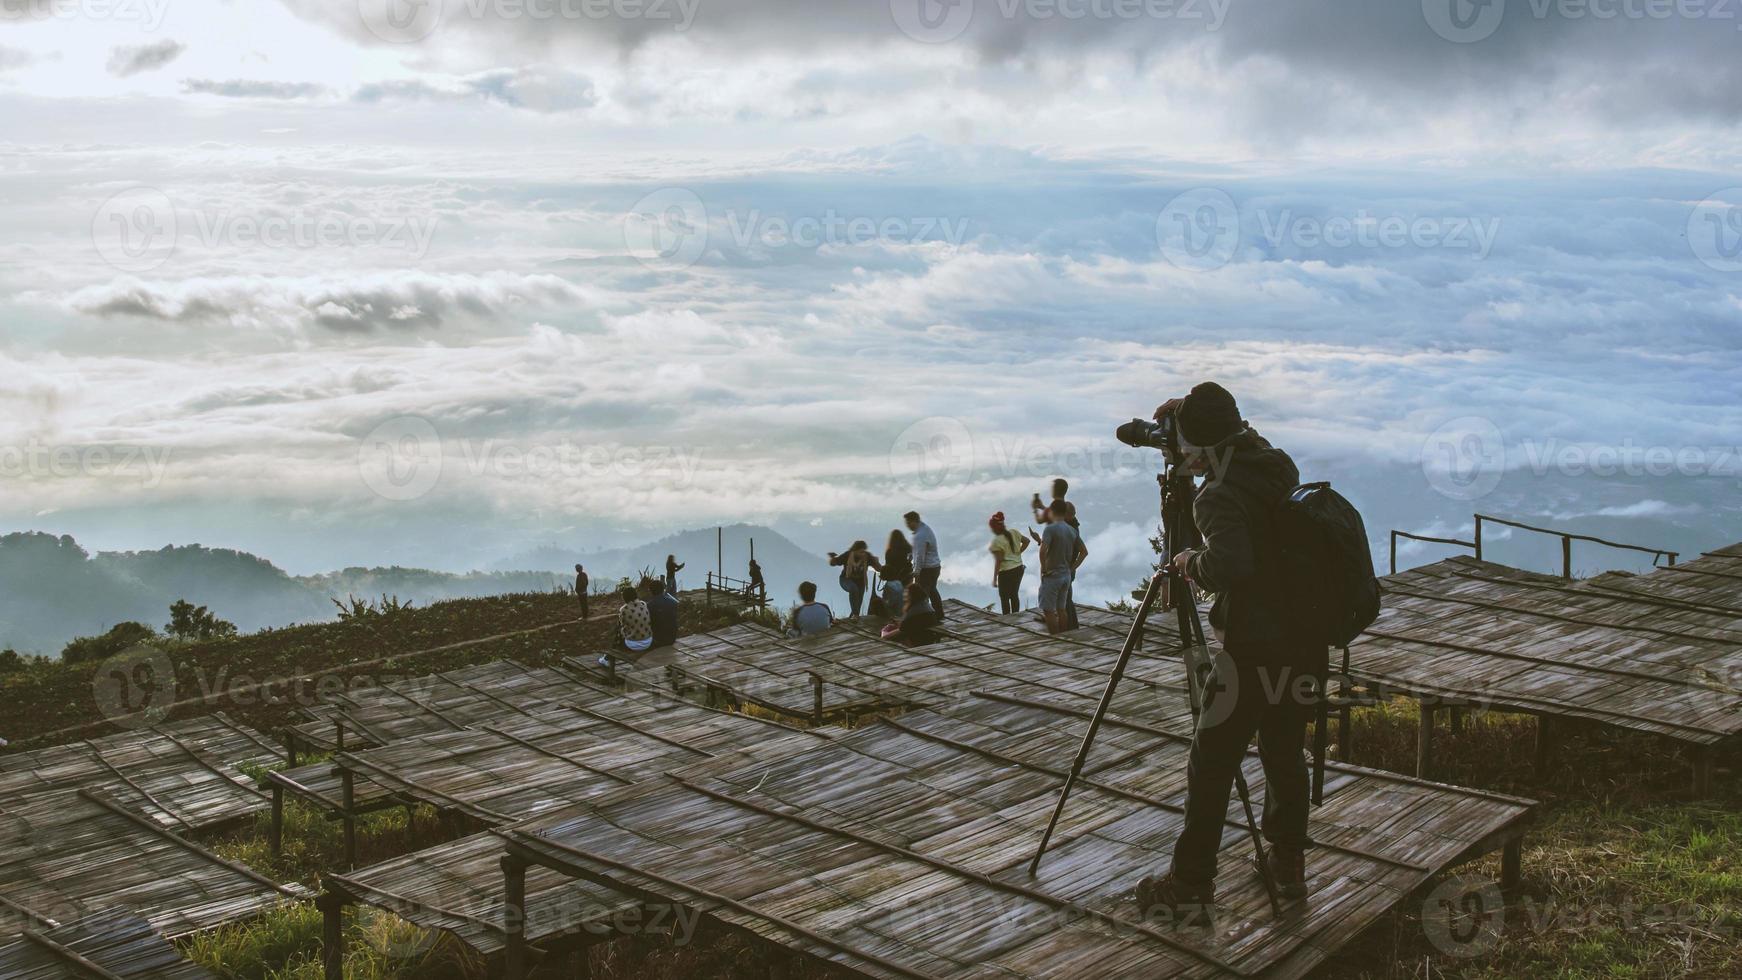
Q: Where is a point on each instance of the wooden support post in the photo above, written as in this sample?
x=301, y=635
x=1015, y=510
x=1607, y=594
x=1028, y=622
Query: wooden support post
x=816, y=699
x=1394, y=552
x=1703, y=757
x=332, y=935
x=339, y=734
x=348, y=798
x=290, y=748
x=514, y=917
x=1545, y=736
x=1566, y=557
x=1424, y=742
x=277, y=837
x=1512, y=865
x=1478, y=537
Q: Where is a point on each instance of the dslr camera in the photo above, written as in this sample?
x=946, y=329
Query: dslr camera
x=1162, y=435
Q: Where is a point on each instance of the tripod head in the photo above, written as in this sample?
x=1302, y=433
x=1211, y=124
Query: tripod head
x=1179, y=531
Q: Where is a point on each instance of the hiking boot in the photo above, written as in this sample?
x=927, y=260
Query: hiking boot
x=1167, y=897
x=1288, y=869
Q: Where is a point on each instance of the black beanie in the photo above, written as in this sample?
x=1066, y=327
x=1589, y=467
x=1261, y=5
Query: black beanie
x=1208, y=415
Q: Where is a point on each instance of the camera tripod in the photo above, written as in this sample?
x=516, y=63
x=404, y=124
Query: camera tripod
x=1172, y=591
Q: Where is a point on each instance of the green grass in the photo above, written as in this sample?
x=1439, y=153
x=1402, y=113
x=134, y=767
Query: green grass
x=1624, y=876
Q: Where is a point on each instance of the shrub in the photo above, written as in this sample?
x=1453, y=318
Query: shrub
x=88, y=649
x=190, y=622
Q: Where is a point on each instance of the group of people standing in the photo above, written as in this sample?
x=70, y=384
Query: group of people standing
x=908, y=594
x=910, y=571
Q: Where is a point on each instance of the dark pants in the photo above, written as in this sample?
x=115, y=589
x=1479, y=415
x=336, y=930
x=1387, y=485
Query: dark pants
x=1010, y=589
x=586, y=606
x=855, y=595
x=927, y=579
x=1071, y=604
x=1274, y=702
x=918, y=629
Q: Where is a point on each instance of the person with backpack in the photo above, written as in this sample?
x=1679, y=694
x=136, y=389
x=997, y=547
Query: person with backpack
x=672, y=567
x=1268, y=652
x=897, y=573
x=855, y=567
x=1007, y=565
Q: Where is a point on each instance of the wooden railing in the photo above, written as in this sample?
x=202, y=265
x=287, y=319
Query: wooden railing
x=1567, y=539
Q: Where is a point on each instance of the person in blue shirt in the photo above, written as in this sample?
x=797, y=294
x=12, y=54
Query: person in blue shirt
x=813, y=617
x=1061, y=551
x=927, y=563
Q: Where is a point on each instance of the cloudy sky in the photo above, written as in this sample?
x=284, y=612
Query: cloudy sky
x=437, y=281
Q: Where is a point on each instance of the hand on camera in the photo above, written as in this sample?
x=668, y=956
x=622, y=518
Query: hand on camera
x=1182, y=564
x=1168, y=408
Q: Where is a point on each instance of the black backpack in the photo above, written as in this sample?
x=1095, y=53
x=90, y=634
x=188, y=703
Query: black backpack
x=1329, y=567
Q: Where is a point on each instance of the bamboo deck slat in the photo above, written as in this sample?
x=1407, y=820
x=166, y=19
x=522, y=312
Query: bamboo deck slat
x=450, y=701
x=106, y=945
x=66, y=855
x=1649, y=652
x=186, y=775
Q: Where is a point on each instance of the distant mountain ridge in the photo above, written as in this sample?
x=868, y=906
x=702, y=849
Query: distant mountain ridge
x=52, y=590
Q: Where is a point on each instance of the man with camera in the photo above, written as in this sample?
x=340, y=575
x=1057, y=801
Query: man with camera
x=1264, y=680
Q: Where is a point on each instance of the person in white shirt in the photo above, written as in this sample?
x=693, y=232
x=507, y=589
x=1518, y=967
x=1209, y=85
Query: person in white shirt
x=927, y=564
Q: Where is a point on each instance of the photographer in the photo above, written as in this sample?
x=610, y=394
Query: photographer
x=1267, y=662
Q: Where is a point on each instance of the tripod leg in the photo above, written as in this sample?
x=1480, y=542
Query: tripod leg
x=1131, y=640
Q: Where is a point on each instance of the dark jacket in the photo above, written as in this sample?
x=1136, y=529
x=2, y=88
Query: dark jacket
x=662, y=608
x=1240, y=560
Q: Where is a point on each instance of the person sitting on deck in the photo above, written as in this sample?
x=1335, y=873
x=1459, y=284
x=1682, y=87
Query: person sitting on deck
x=634, y=631
x=919, y=622
x=662, y=609
x=813, y=617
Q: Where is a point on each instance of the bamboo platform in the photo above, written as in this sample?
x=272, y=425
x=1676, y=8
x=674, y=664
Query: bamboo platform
x=67, y=855
x=1659, y=653
x=456, y=888
x=444, y=702
x=185, y=776
x=900, y=849
x=504, y=773
x=105, y=946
